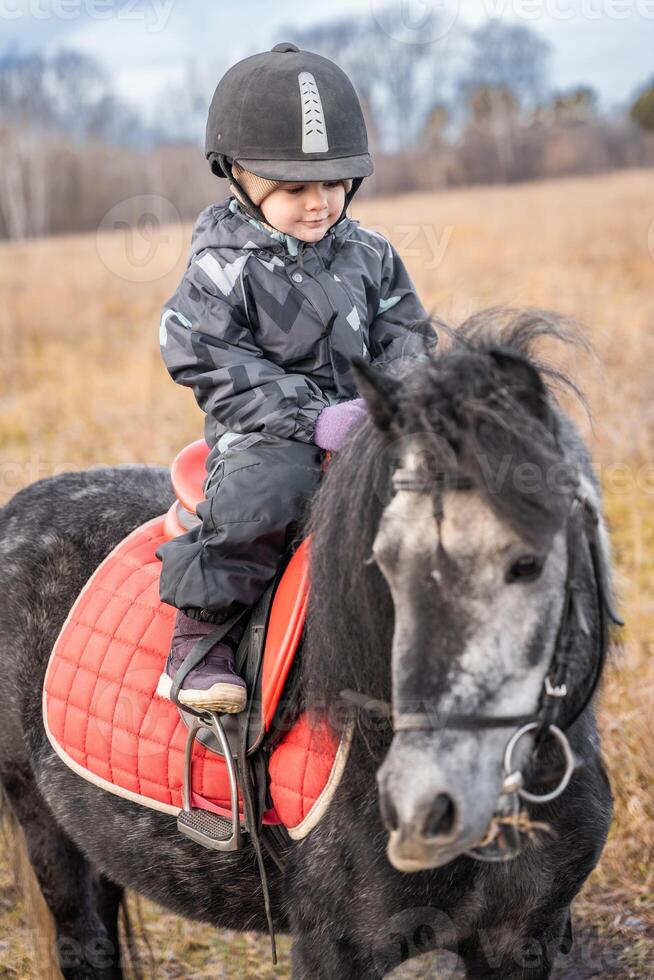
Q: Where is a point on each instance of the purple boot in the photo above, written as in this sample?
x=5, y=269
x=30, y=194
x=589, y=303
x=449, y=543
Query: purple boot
x=212, y=685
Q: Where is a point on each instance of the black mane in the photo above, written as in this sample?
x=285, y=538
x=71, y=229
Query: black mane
x=480, y=402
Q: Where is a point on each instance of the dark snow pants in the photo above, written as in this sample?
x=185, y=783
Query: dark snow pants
x=256, y=492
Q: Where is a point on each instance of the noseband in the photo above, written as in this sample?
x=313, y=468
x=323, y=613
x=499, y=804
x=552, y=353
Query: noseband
x=549, y=717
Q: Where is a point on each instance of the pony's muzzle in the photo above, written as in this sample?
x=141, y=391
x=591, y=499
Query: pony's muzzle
x=437, y=796
x=435, y=818
x=423, y=821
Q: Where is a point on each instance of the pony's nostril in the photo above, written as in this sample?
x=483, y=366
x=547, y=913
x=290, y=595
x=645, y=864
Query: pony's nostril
x=439, y=819
x=388, y=813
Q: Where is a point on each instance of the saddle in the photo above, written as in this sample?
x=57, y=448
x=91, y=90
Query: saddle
x=222, y=776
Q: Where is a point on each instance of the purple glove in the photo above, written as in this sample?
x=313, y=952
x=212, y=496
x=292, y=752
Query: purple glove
x=335, y=421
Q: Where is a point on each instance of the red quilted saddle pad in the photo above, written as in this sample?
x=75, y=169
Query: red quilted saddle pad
x=104, y=720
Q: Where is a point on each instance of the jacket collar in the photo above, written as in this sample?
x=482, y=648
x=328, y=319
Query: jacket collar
x=257, y=235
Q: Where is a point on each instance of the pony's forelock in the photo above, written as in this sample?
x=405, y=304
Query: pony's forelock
x=460, y=410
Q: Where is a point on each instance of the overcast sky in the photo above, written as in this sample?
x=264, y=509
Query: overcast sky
x=146, y=44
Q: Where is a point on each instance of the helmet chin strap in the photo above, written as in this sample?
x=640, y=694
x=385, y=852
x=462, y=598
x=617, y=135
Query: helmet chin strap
x=255, y=212
x=356, y=184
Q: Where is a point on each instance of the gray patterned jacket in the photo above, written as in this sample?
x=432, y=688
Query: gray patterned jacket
x=262, y=327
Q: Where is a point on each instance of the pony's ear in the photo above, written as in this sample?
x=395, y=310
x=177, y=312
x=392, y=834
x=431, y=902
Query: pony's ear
x=380, y=392
x=523, y=381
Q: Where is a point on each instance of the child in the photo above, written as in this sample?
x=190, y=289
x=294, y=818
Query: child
x=280, y=291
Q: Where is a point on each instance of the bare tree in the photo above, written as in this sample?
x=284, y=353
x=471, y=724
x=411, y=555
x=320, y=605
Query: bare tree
x=642, y=111
x=507, y=56
x=182, y=105
x=436, y=123
x=47, y=103
x=578, y=104
x=504, y=80
x=399, y=72
x=23, y=91
x=66, y=93
x=24, y=181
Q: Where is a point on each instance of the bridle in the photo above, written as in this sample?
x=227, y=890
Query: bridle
x=549, y=718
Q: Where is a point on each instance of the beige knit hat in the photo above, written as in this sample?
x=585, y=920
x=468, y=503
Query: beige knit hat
x=258, y=188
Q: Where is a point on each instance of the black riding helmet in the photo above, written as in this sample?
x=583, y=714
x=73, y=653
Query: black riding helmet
x=288, y=114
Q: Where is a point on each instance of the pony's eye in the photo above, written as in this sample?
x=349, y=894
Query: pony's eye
x=525, y=569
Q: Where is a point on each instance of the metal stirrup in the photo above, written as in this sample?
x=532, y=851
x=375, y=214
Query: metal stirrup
x=210, y=829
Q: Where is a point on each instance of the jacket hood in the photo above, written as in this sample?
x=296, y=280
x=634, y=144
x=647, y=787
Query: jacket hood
x=226, y=225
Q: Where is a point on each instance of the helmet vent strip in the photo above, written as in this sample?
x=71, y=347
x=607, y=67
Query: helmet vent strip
x=314, y=135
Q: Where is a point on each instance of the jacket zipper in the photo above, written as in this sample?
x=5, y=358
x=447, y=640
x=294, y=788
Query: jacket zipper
x=343, y=284
x=330, y=325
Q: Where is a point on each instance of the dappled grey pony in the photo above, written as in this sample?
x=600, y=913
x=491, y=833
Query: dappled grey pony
x=460, y=599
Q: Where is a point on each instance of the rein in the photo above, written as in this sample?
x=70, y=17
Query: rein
x=582, y=517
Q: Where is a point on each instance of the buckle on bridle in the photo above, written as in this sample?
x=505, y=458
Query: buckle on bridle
x=555, y=690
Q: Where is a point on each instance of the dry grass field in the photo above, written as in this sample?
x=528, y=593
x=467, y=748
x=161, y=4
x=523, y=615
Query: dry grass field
x=82, y=384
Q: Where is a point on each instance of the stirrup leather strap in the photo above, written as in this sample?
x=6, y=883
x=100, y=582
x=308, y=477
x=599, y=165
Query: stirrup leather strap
x=199, y=652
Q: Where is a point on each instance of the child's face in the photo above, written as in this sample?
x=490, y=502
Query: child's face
x=304, y=211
